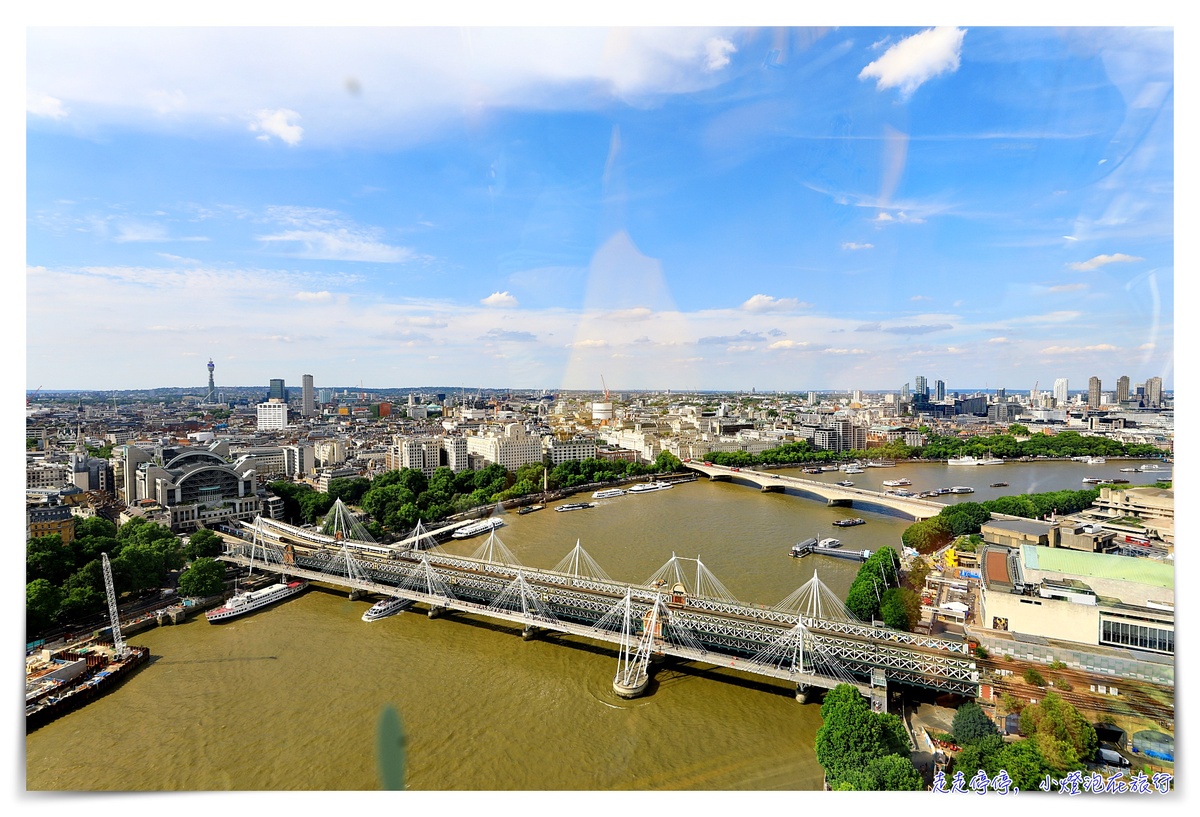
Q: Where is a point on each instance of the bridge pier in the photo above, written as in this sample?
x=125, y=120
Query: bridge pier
x=805, y=693
x=631, y=690
x=771, y=489
x=356, y=594
x=529, y=632
x=840, y=503
x=719, y=478
x=434, y=611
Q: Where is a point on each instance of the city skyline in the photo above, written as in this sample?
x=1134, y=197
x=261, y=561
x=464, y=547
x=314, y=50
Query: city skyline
x=685, y=209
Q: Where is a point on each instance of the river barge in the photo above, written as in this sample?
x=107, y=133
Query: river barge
x=46, y=700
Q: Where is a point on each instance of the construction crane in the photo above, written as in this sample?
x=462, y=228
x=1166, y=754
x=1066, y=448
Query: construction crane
x=119, y=648
x=33, y=396
x=605, y=385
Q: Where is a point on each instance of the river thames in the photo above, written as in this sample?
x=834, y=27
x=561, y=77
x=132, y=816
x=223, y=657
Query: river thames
x=288, y=698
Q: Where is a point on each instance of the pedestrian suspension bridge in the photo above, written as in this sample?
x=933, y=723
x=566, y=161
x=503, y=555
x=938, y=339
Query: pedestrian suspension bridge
x=682, y=611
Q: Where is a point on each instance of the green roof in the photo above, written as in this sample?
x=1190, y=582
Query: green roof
x=1099, y=565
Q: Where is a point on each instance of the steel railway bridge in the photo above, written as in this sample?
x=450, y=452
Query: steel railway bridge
x=808, y=639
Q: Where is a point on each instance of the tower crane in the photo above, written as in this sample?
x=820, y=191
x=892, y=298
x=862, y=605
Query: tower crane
x=33, y=396
x=119, y=648
x=605, y=385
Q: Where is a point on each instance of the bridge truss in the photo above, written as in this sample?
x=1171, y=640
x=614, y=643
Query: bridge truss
x=799, y=641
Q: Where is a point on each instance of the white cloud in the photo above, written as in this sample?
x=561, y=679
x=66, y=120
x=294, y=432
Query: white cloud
x=845, y=351
x=913, y=61
x=323, y=295
x=1071, y=350
x=767, y=303
x=278, y=123
x=588, y=343
x=1067, y=288
x=920, y=298
x=637, y=313
x=1146, y=347
x=343, y=244
x=499, y=299
x=1101, y=260
x=788, y=344
x=45, y=105
x=410, y=81
x=717, y=51
x=998, y=340
x=850, y=245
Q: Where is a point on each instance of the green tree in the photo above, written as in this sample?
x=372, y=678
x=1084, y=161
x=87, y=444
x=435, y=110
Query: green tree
x=83, y=593
x=47, y=558
x=1018, y=430
x=980, y=754
x=348, y=489
x=891, y=773
x=1054, y=716
x=1024, y=763
x=139, y=567
x=853, y=745
x=42, y=601
x=203, y=543
x=971, y=724
x=666, y=462
x=900, y=608
x=1032, y=676
x=206, y=577
x=927, y=536
x=917, y=573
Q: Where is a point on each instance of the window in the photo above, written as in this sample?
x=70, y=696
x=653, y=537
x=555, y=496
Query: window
x=1125, y=634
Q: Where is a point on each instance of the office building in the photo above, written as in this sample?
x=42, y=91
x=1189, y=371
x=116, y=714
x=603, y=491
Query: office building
x=1154, y=391
x=308, y=401
x=1060, y=392
x=272, y=415
x=1093, y=392
x=277, y=392
x=921, y=389
x=940, y=389
x=1123, y=389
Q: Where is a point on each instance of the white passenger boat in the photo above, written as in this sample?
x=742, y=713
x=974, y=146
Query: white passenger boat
x=647, y=487
x=476, y=528
x=247, y=602
x=969, y=460
x=895, y=483
x=386, y=608
x=962, y=489
x=608, y=494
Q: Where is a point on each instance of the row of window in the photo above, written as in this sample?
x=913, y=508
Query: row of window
x=1135, y=635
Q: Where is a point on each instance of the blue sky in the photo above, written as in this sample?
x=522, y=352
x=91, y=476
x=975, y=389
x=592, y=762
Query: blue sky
x=682, y=208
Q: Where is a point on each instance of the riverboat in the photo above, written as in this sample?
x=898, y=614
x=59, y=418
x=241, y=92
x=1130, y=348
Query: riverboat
x=999, y=485
x=1092, y=480
x=845, y=483
x=893, y=483
x=476, y=528
x=529, y=509
x=247, y=602
x=386, y=608
x=849, y=523
x=855, y=469
x=969, y=460
x=829, y=544
x=962, y=489
x=574, y=506
x=881, y=463
x=647, y=487
x=608, y=494
x=48, y=701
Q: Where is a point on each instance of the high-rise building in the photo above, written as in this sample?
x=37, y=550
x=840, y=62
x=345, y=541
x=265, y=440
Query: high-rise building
x=921, y=389
x=272, y=415
x=308, y=401
x=324, y=396
x=1154, y=391
x=1060, y=391
x=940, y=389
x=1093, y=392
x=1122, y=388
x=904, y=392
x=812, y=398
x=277, y=392
x=212, y=389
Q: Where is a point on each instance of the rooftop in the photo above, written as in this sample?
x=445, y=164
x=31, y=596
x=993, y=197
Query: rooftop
x=1099, y=565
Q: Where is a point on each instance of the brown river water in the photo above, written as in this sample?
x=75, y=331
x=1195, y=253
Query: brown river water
x=288, y=698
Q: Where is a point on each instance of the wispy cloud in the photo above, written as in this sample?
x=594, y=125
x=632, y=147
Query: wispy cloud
x=327, y=235
x=998, y=340
x=504, y=334
x=920, y=298
x=499, y=299
x=1073, y=350
x=45, y=105
x=1067, y=288
x=313, y=297
x=768, y=303
x=716, y=53
x=913, y=61
x=851, y=245
x=278, y=123
x=1101, y=260
x=789, y=344
x=919, y=329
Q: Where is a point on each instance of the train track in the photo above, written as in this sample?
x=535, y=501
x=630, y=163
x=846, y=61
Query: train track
x=1133, y=696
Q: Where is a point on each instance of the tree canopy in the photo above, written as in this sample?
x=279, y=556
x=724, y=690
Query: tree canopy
x=863, y=750
x=206, y=577
x=971, y=724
